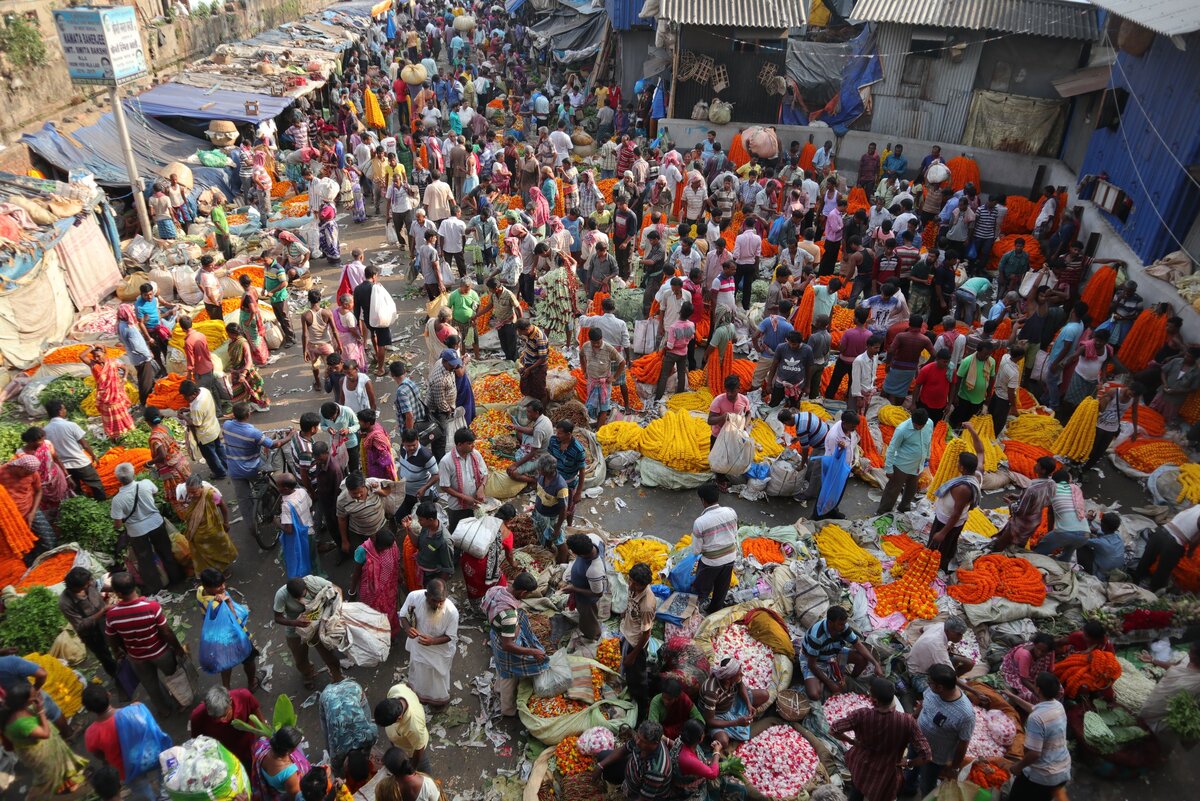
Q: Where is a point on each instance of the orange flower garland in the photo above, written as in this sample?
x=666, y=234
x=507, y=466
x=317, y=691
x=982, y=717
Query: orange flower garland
x=1098, y=293
x=1150, y=421
x=1093, y=671
x=635, y=400
x=1147, y=335
x=1147, y=455
x=941, y=433
x=1006, y=243
x=16, y=538
x=1021, y=213
x=107, y=463
x=963, y=170
x=69, y=354
x=1010, y=577
x=1022, y=456
x=765, y=550
x=802, y=318
x=912, y=594
x=646, y=369
x=867, y=442
x=857, y=201
x=166, y=393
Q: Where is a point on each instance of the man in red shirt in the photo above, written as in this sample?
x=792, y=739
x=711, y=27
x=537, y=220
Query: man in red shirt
x=854, y=342
x=137, y=628
x=200, y=364
x=103, y=740
x=932, y=391
x=904, y=354
x=216, y=715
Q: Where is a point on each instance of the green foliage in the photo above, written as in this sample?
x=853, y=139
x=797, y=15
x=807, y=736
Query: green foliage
x=69, y=389
x=87, y=522
x=201, y=11
x=22, y=41
x=733, y=767
x=1183, y=716
x=10, y=439
x=32, y=622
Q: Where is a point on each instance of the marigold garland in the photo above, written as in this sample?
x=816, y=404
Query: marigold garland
x=912, y=594
x=846, y=556
x=1150, y=421
x=764, y=549
x=62, y=684
x=867, y=441
x=941, y=434
x=1034, y=429
x=963, y=170
x=1148, y=334
x=1093, y=671
x=679, y=440
x=992, y=453
x=70, y=354
x=107, y=464
x=15, y=535
x=1147, y=455
x=1098, y=292
x=1076, y=440
x=802, y=318
x=947, y=465
x=1010, y=577
x=1022, y=457
x=619, y=435
x=166, y=393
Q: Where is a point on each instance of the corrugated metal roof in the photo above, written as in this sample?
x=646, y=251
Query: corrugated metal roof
x=1059, y=19
x=623, y=14
x=735, y=13
x=1080, y=82
x=1168, y=17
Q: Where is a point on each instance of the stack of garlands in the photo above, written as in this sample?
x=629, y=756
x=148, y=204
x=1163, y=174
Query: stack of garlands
x=1076, y=440
x=1147, y=335
x=912, y=594
x=1147, y=455
x=1093, y=671
x=1009, y=577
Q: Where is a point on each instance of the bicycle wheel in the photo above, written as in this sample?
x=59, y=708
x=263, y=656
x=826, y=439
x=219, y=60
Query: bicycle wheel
x=267, y=504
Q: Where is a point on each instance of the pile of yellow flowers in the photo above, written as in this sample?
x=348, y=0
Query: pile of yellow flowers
x=892, y=415
x=213, y=330
x=948, y=467
x=817, y=409
x=570, y=761
x=678, y=440
x=1076, y=440
x=847, y=557
x=652, y=552
x=978, y=523
x=88, y=405
x=766, y=442
x=1189, y=483
x=697, y=401
x=62, y=683
x=488, y=426
x=992, y=454
x=620, y=435
x=1034, y=429
x=608, y=653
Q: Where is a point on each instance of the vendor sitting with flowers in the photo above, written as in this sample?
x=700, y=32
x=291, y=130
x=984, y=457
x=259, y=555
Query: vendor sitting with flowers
x=728, y=705
x=820, y=652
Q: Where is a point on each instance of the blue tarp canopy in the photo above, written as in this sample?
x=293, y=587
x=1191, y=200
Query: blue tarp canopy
x=181, y=100
x=513, y=6
x=97, y=149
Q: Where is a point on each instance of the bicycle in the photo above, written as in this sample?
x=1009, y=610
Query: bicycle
x=264, y=524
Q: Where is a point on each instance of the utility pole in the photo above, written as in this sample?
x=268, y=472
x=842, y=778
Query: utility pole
x=135, y=181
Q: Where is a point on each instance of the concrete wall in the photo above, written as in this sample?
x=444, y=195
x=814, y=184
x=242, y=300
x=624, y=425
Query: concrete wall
x=1000, y=172
x=39, y=94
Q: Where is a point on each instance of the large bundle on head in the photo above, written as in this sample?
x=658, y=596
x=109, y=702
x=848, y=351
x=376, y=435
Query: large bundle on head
x=581, y=138
x=762, y=142
x=414, y=74
x=464, y=23
x=222, y=133
x=937, y=174
x=180, y=171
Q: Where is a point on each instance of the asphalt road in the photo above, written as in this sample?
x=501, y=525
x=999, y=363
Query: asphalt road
x=472, y=745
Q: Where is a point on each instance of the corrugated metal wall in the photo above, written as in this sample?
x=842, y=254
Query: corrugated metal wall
x=939, y=110
x=751, y=103
x=623, y=14
x=632, y=49
x=1164, y=82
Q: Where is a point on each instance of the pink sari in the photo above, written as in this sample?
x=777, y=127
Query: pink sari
x=377, y=453
x=380, y=586
x=55, y=488
x=352, y=347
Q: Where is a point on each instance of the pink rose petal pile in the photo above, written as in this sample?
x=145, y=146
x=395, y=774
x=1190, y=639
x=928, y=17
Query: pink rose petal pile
x=994, y=732
x=758, y=662
x=840, y=706
x=779, y=762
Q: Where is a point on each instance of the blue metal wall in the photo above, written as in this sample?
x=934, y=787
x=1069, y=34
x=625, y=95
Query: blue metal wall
x=1164, y=97
x=623, y=14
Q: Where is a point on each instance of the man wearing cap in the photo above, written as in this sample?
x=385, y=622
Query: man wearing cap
x=441, y=398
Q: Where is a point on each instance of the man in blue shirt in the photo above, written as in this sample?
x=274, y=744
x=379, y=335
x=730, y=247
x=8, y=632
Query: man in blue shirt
x=906, y=456
x=1062, y=348
x=244, y=446
x=819, y=654
x=895, y=165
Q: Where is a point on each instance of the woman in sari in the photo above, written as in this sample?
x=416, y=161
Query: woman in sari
x=672, y=708
x=52, y=474
x=206, y=525
x=696, y=770
x=278, y=765
x=111, y=400
x=376, y=447
x=245, y=384
x=472, y=179
x=358, y=206
x=719, y=360
x=406, y=783
x=437, y=330
x=660, y=196
x=549, y=188
x=129, y=332
x=539, y=211
x=260, y=186
x=349, y=335
x=501, y=176
x=481, y=573
x=295, y=255
x=251, y=321
x=56, y=769
x=330, y=238
x=1023, y=663
x=170, y=461
x=376, y=579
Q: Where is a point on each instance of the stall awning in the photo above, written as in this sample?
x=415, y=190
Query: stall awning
x=1080, y=82
x=182, y=100
x=572, y=36
x=735, y=13
x=97, y=149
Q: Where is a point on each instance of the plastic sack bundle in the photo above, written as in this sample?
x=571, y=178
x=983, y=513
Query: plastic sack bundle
x=203, y=770
x=595, y=740
x=556, y=679
x=733, y=451
x=834, y=474
x=224, y=643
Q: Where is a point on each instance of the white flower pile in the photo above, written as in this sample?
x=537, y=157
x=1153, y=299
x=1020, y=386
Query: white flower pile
x=758, y=662
x=967, y=647
x=994, y=733
x=840, y=706
x=1133, y=688
x=595, y=740
x=779, y=762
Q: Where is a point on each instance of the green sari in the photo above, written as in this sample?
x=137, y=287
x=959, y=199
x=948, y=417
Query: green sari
x=210, y=542
x=57, y=770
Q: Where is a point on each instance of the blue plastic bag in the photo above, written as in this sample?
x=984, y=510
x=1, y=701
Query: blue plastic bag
x=835, y=471
x=759, y=470
x=683, y=574
x=297, y=555
x=224, y=643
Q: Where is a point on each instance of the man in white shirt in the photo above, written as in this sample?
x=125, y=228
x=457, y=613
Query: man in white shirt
x=747, y=250
x=1004, y=390
x=878, y=215
x=562, y=143
x=202, y=420
x=1168, y=544
x=714, y=537
x=74, y=451
x=670, y=299
x=453, y=235
x=684, y=257
x=862, y=375
x=933, y=648
x=438, y=199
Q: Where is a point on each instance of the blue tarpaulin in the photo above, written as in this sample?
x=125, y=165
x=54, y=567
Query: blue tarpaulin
x=181, y=100
x=513, y=6
x=97, y=149
x=830, y=77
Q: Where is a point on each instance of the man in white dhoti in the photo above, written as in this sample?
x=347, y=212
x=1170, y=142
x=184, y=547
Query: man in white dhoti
x=430, y=621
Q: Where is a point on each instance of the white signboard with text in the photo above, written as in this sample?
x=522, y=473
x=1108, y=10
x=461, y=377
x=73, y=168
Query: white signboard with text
x=102, y=46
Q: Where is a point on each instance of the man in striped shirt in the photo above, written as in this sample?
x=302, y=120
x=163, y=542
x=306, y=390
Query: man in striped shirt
x=137, y=628
x=987, y=222
x=714, y=537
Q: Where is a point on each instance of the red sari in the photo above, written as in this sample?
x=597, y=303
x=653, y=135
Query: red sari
x=111, y=399
x=377, y=454
x=380, y=585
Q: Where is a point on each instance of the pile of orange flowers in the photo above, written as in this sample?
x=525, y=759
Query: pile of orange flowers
x=570, y=761
x=255, y=271
x=49, y=572
x=70, y=354
x=608, y=653
x=937, y=445
x=1093, y=671
x=497, y=388
x=1150, y=421
x=555, y=360
x=281, y=188
x=1022, y=456
x=987, y=774
x=1006, y=243
x=1098, y=292
x=555, y=706
x=963, y=170
x=857, y=201
x=228, y=306
x=635, y=400
x=166, y=392
x=994, y=575
x=1025, y=400
x=646, y=369
x=488, y=426
x=1020, y=216
x=912, y=594
x=841, y=320
x=605, y=185
x=107, y=464
x=1147, y=455
x=765, y=550
x=1148, y=334
x=16, y=540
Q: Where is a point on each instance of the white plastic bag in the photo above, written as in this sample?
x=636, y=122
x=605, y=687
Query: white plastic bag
x=733, y=451
x=383, y=308
x=475, y=535
x=645, y=336
x=390, y=233
x=186, y=288
x=556, y=679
